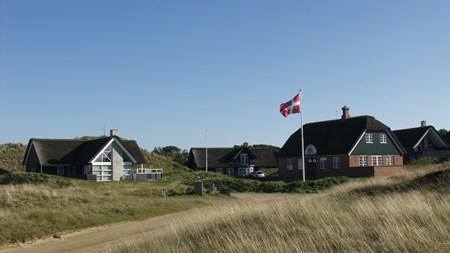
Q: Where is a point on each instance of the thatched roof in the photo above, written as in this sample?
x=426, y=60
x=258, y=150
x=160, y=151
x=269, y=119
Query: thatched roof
x=332, y=137
x=72, y=151
x=411, y=137
x=229, y=157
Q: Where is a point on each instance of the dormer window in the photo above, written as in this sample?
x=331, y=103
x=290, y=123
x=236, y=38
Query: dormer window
x=244, y=159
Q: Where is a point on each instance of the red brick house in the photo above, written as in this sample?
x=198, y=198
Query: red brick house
x=351, y=146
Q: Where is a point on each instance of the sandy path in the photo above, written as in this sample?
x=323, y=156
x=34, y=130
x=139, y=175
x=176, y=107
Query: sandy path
x=102, y=239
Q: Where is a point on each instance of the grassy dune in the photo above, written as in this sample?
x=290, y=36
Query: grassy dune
x=398, y=214
x=37, y=205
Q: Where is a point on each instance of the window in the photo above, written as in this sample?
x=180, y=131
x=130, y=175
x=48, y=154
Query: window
x=362, y=161
x=244, y=159
x=219, y=170
x=390, y=160
x=323, y=162
x=369, y=138
x=300, y=164
x=336, y=162
x=310, y=150
x=289, y=164
x=377, y=160
x=383, y=138
x=105, y=156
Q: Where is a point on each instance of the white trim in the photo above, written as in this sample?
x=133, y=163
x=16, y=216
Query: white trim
x=120, y=146
x=101, y=151
x=357, y=142
x=421, y=139
x=395, y=143
x=311, y=148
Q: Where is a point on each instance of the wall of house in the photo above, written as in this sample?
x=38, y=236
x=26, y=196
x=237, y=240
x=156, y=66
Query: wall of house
x=32, y=162
x=283, y=172
x=388, y=171
x=354, y=160
x=349, y=166
x=375, y=148
x=117, y=163
x=330, y=171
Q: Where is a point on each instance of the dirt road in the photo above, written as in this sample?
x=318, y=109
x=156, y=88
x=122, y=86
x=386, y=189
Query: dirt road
x=103, y=239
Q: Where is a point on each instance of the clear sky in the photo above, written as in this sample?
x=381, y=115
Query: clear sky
x=161, y=72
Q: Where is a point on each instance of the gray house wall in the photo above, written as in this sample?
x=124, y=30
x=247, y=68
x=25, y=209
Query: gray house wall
x=117, y=164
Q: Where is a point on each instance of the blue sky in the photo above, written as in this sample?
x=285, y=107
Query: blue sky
x=161, y=72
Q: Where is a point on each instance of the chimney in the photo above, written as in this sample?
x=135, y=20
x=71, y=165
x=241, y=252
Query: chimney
x=423, y=123
x=245, y=145
x=345, y=112
x=113, y=132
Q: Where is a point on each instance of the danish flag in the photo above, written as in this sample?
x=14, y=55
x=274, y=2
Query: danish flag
x=291, y=107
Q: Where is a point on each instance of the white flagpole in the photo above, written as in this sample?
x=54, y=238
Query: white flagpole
x=303, y=143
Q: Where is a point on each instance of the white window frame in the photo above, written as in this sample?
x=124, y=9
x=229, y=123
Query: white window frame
x=289, y=164
x=336, y=162
x=390, y=160
x=377, y=160
x=323, y=163
x=383, y=138
x=244, y=159
x=369, y=138
x=362, y=161
x=300, y=164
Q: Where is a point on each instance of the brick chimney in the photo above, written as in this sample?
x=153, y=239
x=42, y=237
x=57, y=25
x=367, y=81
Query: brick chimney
x=245, y=145
x=345, y=112
x=113, y=132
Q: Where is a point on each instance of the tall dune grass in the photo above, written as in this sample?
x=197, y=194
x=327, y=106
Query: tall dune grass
x=43, y=206
x=395, y=218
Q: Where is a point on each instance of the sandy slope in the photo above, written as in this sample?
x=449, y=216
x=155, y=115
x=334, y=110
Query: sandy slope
x=102, y=239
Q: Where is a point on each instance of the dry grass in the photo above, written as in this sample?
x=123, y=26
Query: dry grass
x=351, y=218
x=30, y=211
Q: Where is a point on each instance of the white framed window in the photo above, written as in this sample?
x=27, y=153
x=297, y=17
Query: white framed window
x=310, y=150
x=336, y=162
x=377, y=160
x=219, y=170
x=244, y=159
x=323, y=162
x=289, y=164
x=362, y=161
x=300, y=164
x=369, y=138
x=390, y=160
x=383, y=139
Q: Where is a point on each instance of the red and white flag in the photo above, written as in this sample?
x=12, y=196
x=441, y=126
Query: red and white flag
x=291, y=107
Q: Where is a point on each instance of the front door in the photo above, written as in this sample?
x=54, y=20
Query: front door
x=311, y=167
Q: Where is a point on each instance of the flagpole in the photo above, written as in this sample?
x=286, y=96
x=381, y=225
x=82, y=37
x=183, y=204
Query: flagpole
x=303, y=142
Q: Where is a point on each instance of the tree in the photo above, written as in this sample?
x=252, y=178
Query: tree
x=173, y=152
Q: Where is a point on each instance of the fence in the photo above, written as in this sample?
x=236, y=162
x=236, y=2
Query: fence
x=147, y=174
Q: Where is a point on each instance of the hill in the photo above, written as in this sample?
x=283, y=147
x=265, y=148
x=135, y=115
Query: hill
x=389, y=214
x=11, y=157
